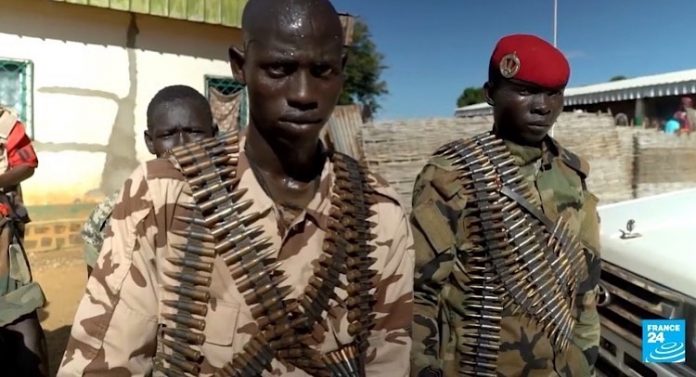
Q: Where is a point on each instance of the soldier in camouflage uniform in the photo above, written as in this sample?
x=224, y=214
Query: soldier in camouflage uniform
x=258, y=253
x=22, y=341
x=506, y=236
x=165, y=130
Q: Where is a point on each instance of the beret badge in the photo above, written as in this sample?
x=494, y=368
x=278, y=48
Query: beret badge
x=509, y=65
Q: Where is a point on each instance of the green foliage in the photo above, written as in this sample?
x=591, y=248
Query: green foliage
x=618, y=78
x=363, y=71
x=470, y=96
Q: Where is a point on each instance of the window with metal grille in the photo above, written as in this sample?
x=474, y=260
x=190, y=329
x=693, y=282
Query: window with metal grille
x=16, y=90
x=228, y=86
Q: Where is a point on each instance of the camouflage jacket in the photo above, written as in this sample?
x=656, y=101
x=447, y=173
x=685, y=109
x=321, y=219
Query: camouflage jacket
x=443, y=230
x=116, y=325
x=94, y=228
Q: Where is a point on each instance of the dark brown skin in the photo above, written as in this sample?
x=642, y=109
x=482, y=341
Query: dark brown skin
x=523, y=113
x=175, y=123
x=16, y=175
x=293, y=68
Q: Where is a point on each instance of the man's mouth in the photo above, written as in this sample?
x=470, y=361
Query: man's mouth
x=300, y=121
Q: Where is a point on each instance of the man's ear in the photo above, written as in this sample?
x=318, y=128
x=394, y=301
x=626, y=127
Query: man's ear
x=488, y=92
x=237, y=59
x=148, y=142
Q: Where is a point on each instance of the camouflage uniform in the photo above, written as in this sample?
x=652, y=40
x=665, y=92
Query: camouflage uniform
x=447, y=243
x=19, y=294
x=93, y=229
x=118, y=322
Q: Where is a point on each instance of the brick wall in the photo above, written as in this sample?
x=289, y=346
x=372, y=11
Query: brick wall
x=625, y=162
x=664, y=162
x=53, y=235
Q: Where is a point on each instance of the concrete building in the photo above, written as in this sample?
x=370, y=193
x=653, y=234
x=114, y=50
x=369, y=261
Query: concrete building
x=82, y=72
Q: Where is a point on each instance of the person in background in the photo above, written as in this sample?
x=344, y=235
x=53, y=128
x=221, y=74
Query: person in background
x=672, y=126
x=22, y=340
x=176, y=115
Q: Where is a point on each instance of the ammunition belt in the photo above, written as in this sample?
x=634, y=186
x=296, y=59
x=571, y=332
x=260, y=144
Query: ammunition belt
x=180, y=344
x=220, y=225
x=521, y=261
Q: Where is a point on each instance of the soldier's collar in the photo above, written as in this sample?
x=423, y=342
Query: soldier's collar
x=524, y=155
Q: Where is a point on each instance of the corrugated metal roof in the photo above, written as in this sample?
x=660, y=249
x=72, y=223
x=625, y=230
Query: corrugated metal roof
x=216, y=12
x=660, y=85
x=474, y=110
x=665, y=84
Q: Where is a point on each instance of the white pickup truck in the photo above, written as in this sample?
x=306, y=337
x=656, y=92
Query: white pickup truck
x=648, y=272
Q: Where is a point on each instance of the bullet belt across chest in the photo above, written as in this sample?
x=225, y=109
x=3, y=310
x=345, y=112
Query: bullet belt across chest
x=219, y=224
x=522, y=263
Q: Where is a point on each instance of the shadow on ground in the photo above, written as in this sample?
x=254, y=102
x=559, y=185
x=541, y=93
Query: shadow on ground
x=57, y=340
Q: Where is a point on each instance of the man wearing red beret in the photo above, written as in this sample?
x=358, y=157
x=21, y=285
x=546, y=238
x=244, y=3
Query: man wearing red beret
x=507, y=236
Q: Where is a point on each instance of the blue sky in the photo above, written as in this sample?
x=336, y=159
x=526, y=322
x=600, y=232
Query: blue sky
x=434, y=51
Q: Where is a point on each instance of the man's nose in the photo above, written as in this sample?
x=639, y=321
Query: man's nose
x=301, y=94
x=541, y=104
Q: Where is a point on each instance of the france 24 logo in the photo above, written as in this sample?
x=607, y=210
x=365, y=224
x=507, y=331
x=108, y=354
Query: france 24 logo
x=664, y=341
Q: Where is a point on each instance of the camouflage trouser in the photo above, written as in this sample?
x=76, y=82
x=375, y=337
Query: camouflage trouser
x=19, y=295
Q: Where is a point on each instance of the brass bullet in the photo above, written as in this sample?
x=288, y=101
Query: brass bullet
x=358, y=275
x=188, y=306
x=362, y=300
x=183, y=150
x=186, y=320
x=234, y=256
x=186, y=351
x=197, y=249
x=196, y=294
x=230, y=183
x=232, y=241
x=202, y=235
x=201, y=154
x=245, y=267
x=191, y=263
x=228, y=211
x=252, y=362
x=224, y=173
x=186, y=335
x=264, y=306
x=255, y=295
x=191, y=219
x=246, y=220
x=234, y=196
x=199, y=167
x=195, y=279
x=251, y=280
x=278, y=314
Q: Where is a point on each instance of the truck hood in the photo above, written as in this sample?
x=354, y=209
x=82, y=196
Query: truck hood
x=665, y=250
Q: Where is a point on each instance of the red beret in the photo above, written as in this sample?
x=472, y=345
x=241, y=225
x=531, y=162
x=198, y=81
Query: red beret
x=531, y=59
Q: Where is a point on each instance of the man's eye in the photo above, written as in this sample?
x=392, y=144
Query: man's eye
x=322, y=70
x=279, y=70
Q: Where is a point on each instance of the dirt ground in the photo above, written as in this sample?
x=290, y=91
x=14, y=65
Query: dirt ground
x=62, y=275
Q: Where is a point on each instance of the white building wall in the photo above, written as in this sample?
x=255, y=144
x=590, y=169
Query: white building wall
x=81, y=79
